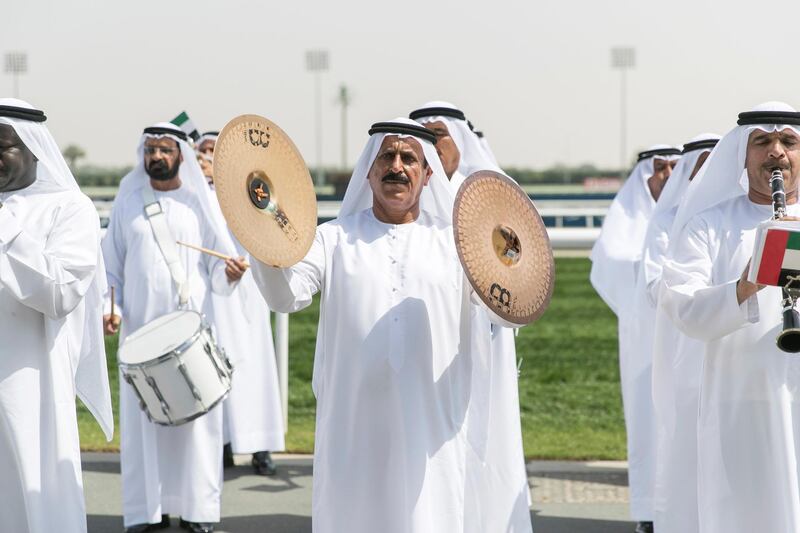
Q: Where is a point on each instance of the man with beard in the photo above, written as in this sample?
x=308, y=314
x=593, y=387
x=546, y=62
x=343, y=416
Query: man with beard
x=393, y=362
x=252, y=414
x=51, y=287
x=166, y=469
x=748, y=441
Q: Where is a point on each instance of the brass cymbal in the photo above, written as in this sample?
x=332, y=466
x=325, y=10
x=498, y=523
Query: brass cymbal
x=265, y=190
x=504, y=247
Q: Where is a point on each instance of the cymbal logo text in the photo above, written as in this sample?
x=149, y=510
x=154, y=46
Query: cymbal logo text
x=258, y=138
x=500, y=296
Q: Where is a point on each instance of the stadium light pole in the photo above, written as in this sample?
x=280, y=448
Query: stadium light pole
x=623, y=58
x=16, y=63
x=317, y=63
x=344, y=101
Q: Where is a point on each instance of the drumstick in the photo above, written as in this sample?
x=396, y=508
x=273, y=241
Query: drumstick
x=112, y=301
x=210, y=252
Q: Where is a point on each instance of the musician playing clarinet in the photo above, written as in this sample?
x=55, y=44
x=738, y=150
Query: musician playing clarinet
x=166, y=469
x=749, y=423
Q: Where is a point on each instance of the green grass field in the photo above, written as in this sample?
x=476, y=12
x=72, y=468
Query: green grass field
x=569, y=387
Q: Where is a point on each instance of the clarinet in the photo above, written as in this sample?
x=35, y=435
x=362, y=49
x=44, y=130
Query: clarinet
x=778, y=195
x=789, y=339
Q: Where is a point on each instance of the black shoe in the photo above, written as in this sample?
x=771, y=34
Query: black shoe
x=227, y=456
x=197, y=527
x=644, y=527
x=141, y=528
x=263, y=464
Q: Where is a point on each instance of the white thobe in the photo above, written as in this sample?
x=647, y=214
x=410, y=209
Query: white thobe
x=391, y=373
x=497, y=495
x=749, y=417
x=48, y=260
x=252, y=412
x=614, y=276
x=677, y=365
x=170, y=470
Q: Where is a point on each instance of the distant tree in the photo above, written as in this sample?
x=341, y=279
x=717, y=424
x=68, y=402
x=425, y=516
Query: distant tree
x=72, y=153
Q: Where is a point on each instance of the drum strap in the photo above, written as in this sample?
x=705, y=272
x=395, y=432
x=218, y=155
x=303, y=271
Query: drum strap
x=166, y=243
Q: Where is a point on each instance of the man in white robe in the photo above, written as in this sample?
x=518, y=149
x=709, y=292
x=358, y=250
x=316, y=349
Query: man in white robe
x=392, y=367
x=499, y=498
x=615, y=262
x=166, y=469
x=51, y=285
x=252, y=414
x=749, y=423
x=677, y=359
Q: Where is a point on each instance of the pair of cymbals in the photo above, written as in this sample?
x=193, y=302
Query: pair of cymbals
x=268, y=199
x=265, y=190
x=504, y=248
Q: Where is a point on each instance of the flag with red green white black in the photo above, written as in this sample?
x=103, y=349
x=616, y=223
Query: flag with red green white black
x=780, y=258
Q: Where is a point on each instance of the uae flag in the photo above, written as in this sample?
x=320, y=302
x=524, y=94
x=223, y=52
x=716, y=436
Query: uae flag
x=185, y=123
x=780, y=258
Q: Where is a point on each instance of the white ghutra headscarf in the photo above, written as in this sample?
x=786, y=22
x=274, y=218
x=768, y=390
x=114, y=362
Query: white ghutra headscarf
x=53, y=175
x=436, y=198
x=191, y=176
x=724, y=175
x=473, y=155
x=621, y=240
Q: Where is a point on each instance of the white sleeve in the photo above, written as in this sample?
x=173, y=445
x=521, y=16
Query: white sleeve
x=614, y=280
x=50, y=276
x=287, y=290
x=655, y=251
x=699, y=308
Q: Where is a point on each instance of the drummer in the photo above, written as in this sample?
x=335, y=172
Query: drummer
x=166, y=470
x=392, y=370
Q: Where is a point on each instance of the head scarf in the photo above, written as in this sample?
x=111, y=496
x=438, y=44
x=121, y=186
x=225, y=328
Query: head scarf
x=487, y=149
x=191, y=176
x=624, y=229
x=436, y=198
x=207, y=136
x=678, y=181
x=53, y=175
x=724, y=175
x=473, y=155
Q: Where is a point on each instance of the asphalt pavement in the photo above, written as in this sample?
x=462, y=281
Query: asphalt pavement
x=568, y=497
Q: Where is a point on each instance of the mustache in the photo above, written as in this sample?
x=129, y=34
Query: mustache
x=157, y=164
x=779, y=166
x=397, y=177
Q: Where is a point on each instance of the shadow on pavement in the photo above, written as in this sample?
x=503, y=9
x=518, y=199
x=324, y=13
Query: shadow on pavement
x=283, y=523
x=283, y=481
x=104, y=523
x=103, y=467
x=277, y=523
x=556, y=524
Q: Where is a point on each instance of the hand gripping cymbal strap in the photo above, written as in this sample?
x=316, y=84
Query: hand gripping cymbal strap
x=167, y=245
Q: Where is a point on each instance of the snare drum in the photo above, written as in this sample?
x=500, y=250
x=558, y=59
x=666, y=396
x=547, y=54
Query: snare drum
x=175, y=368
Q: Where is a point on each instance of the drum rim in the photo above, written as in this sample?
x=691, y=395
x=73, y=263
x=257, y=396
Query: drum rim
x=191, y=417
x=182, y=345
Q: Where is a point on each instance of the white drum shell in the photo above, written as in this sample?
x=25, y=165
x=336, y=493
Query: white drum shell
x=190, y=379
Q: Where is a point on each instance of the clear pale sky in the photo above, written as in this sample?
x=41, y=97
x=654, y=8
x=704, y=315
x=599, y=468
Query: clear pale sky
x=535, y=76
